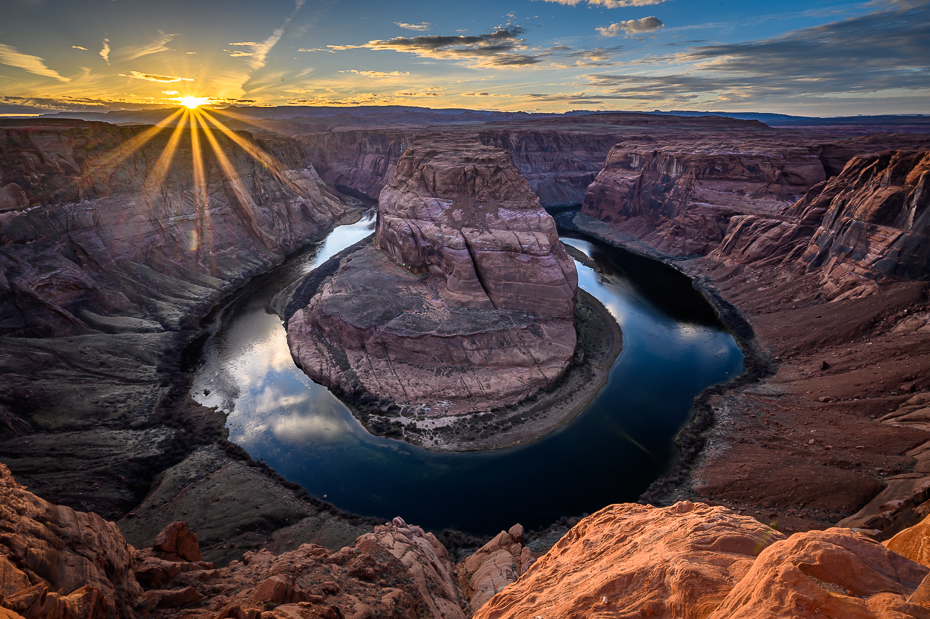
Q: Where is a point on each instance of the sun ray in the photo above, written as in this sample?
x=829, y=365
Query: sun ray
x=247, y=210
x=126, y=149
x=159, y=171
x=259, y=155
x=200, y=188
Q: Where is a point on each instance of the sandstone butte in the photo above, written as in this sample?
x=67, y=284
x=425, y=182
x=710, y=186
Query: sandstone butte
x=688, y=561
x=466, y=301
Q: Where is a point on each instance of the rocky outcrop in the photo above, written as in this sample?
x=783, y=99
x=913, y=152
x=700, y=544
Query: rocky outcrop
x=679, y=197
x=913, y=542
x=832, y=573
x=695, y=561
x=877, y=223
x=56, y=563
x=684, y=561
x=494, y=566
x=467, y=302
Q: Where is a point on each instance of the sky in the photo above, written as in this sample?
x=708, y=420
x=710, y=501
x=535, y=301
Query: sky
x=803, y=57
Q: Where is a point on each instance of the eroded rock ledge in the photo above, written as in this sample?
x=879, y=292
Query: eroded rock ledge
x=689, y=560
x=466, y=302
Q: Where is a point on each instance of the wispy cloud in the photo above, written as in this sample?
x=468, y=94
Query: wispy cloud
x=33, y=64
x=155, y=77
x=483, y=94
x=381, y=75
x=422, y=26
x=632, y=27
x=882, y=54
x=105, y=50
x=608, y=4
x=133, y=52
x=501, y=48
x=316, y=49
x=259, y=51
x=79, y=47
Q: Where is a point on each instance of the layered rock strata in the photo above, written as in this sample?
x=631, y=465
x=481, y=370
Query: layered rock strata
x=839, y=345
x=114, y=241
x=680, y=199
x=467, y=302
x=866, y=225
x=558, y=162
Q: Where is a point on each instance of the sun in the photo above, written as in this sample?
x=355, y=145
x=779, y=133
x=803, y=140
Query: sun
x=193, y=102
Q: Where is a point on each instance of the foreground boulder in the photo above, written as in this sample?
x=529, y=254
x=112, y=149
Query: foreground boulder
x=494, y=566
x=466, y=303
x=695, y=561
x=59, y=563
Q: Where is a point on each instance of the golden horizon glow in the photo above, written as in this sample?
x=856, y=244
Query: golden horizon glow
x=192, y=103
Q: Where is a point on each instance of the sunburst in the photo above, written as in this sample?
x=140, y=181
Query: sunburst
x=192, y=103
x=199, y=123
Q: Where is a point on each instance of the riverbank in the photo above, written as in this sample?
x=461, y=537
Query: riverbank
x=820, y=378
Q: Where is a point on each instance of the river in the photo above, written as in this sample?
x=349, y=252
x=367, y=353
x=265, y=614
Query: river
x=673, y=347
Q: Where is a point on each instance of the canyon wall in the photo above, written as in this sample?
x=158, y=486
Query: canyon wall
x=679, y=197
x=866, y=225
x=110, y=253
x=559, y=164
x=466, y=305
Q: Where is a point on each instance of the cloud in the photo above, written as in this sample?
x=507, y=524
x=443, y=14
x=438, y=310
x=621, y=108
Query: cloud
x=884, y=54
x=39, y=105
x=316, y=49
x=133, y=52
x=379, y=74
x=631, y=27
x=597, y=57
x=79, y=47
x=155, y=77
x=170, y=92
x=33, y=64
x=482, y=94
x=608, y=4
x=422, y=26
x=494, y=49
x=105, y=51
x=259, y=51
x=421, y=93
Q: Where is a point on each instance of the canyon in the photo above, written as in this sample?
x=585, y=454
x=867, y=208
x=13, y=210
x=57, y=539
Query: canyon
x=813, y=247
